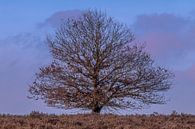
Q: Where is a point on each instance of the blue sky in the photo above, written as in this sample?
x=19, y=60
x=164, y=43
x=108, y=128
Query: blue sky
x=167, y=26
x=21, y=15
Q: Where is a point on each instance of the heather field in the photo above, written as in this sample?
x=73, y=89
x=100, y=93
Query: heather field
x=37, y=120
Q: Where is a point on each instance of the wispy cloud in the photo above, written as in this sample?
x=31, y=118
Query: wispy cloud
x=171, y=41
x=57, y=18
x=169, y=37
x=21, y=56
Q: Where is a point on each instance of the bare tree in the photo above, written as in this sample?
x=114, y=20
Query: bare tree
x=95, y=66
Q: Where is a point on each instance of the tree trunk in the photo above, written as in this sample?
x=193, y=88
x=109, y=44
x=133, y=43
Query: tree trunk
x=97, y=110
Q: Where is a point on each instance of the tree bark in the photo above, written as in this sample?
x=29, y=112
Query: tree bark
x=96, y=110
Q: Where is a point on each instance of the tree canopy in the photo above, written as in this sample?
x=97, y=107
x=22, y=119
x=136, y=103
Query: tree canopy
x=96, y=66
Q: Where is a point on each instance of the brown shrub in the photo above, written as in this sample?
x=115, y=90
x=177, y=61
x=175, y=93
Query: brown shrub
x=37, y=120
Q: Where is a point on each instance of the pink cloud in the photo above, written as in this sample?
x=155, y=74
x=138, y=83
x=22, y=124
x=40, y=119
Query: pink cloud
x=170, y=38
x=186, y=76
x=162, y=44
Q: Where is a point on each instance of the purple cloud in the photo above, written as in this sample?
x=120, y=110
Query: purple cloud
x=21, y=56
x=57, y=18
x=187, y=77
x=161, y=22
x=169, y=37
x=171, y=41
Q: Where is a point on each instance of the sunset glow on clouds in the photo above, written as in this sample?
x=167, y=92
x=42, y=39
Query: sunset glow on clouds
x=171, y=41
x=169, y=37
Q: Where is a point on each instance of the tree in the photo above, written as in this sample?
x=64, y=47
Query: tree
x=96, y=65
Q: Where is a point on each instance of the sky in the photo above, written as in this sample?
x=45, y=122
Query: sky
x=167, y=27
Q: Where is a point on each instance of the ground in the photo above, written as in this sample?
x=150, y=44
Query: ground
x=37, y=120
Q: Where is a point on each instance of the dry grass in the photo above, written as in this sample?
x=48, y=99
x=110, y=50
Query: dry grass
x=91, y=121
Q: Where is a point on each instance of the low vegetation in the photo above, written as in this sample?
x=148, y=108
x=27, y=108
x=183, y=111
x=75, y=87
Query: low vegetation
x=36, y=120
